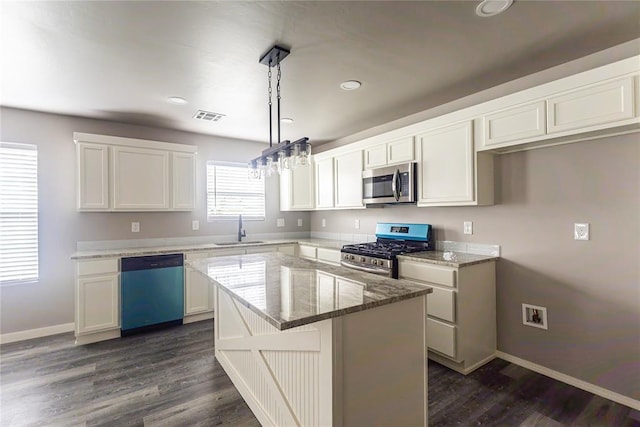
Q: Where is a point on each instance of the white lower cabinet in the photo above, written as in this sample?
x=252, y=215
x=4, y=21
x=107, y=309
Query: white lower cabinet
x=461, y=311
x=326, y=255
x=97, y=308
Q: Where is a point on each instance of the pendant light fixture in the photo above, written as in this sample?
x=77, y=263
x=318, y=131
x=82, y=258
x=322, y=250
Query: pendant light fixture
x=284, y=154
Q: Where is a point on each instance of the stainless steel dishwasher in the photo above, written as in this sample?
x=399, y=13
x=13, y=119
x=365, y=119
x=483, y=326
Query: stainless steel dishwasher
x=152, y=292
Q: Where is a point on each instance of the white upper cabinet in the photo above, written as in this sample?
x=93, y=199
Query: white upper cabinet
x=450, y=172
x=516, y=123
x=446, y=165
x=348, y=180
x=297, y=191
x=400, y=151
x=124, y=174
x=324, y=183
x=183, y=175
x=140, y=179
x=597, y=105
x=93, y=176
x=397, y=151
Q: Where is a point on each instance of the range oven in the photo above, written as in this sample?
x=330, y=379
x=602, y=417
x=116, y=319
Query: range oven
x=392, y=239
x=389, y=185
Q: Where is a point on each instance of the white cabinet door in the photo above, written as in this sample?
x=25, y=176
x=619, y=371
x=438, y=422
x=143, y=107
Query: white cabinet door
x=308, y=252
x=198, y=293
x=446, y=169
x=324, y=183
x=600, y=105
x=97, y=304
x=297, y=188
x=183, y=175
x=401, y=151
x=375, y=156
x=348, y=180
x=93, y=176
x=140, y=179
x=513, y=124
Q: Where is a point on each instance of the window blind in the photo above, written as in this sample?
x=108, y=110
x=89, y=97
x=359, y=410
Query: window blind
x=18, y=212
x=230, y=192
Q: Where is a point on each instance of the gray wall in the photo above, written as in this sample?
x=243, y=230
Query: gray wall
x=50, y=301
x=591, y=289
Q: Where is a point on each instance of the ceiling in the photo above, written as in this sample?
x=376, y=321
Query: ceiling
x=121, y=60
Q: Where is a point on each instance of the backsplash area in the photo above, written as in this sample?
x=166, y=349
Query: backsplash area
x=441, y=245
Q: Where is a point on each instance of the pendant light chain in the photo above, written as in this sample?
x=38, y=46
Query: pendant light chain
x=270, y=111
x=278, y=94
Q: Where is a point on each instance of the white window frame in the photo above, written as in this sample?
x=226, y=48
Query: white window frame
x=19, y=243
x=213, y=193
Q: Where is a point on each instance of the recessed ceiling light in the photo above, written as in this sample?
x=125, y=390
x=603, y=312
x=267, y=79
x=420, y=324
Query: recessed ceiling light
x=176, y=100
x=286, y=120
x=488, y=8
x=350, y=85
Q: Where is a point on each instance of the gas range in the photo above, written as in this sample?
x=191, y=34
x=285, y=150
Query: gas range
x=393, y=239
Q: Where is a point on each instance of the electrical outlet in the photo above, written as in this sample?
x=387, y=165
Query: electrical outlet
x=280, y=222
x=299, y=222
x=581, y=231
x=468, y=227
x=536, y=316
x=356, y=224
x=195, y=225
x=135, y=227
x=324, y=222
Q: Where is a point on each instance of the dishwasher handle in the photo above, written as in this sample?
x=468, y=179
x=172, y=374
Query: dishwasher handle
x=151, y=262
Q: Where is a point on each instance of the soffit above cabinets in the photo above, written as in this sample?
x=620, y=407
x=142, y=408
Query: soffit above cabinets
x=121, y=61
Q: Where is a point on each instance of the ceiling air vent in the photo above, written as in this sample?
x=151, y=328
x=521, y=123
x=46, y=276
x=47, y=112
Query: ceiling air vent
x=207, y=116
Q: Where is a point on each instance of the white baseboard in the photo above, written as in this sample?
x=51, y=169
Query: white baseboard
x=36, y=333
x=591, y=388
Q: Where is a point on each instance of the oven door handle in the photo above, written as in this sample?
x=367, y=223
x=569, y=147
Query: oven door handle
x=366, y=269
x=395, y=185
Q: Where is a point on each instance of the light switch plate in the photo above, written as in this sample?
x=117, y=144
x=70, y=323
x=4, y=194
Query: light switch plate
x=357, y=224
x=468, y=227
x=135, y=227
x=299, y=222
x=324, y=222
x=195, y=225
x=280, y=222
x=581, y=231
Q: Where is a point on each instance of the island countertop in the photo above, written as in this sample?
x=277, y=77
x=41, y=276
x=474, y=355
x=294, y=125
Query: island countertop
x=289, y=291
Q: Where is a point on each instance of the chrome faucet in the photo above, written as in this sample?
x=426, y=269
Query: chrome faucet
x=241, y=232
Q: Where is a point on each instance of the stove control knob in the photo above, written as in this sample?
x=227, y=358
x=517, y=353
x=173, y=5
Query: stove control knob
x=362, y=259
x=374, y=261
x=352, y=257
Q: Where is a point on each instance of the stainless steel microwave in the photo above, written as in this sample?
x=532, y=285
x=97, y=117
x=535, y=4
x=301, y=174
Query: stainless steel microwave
x=389, y=185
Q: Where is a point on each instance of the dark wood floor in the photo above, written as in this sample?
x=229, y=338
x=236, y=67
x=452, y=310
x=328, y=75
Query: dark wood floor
x=170, y=378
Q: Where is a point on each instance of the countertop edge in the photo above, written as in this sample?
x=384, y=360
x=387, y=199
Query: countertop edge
x=455, y=264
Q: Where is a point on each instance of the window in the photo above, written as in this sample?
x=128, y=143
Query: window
x=18, y=213
x=230, y=192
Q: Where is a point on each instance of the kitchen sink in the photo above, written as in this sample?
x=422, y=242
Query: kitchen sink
x=246, y=242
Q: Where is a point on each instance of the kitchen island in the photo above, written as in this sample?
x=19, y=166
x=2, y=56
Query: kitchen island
x=310, y=344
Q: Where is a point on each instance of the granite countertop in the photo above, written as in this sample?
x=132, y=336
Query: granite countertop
x=155, y=250
x=450, y=259
x=289, y=291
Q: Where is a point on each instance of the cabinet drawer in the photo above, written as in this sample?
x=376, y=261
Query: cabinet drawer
x=261, y=249
x=441, y=337
x=102, y=266
x=442, y=304
x=307, y=251
x=328, y=255
x=422, y=272
x=289, y=250
x=596, y=105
